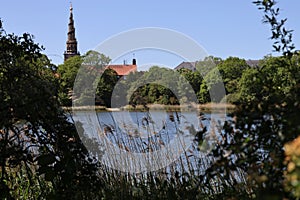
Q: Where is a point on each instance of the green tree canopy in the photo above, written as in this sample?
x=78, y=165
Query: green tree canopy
x=105, y=87
x=91, y=64
x=231, y=71
x=68, y=72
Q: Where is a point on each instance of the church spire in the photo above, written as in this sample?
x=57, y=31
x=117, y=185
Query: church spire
x=71, y=42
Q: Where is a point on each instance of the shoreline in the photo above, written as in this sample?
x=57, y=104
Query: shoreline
x=157, y=107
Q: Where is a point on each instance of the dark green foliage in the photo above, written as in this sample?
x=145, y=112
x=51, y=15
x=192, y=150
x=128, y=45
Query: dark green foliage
x=105, y=87
x=67, y=73
x=154, y=86
x=282, y=37
x=89, y=65
x=231, y=71
x=194, y=78
x=41, y=155
x=207, y=64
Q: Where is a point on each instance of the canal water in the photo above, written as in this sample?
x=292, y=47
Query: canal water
x=149, y=141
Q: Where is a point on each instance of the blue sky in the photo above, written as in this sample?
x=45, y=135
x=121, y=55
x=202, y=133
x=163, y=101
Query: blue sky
x=223, y=28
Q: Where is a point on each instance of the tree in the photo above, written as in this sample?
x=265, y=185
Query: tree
x=91, y=64
x=207, y=64
x=272, y=80
x=39, y=147
x=250, y=84
x=227, y=72
x=123, y=85
x=231, y=71
x=67, y=73
x=266, y=118
x=27, y=93
x=105, y=87
x=210, y=89
x=194, y=78
x=96, y=59
x=154, y=86
x=188, y=84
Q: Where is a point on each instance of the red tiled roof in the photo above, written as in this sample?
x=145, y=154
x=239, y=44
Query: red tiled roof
x=123, y=69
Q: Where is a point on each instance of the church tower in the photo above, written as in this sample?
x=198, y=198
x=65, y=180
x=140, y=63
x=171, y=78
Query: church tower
x=71, y=42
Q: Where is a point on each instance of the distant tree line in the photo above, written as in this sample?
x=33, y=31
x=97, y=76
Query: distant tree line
x=241, y=81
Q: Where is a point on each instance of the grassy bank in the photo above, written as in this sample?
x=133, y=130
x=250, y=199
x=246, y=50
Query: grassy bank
x=208, y=107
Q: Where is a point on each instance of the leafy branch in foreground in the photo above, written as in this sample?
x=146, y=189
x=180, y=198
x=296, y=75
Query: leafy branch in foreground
x=281, y=35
